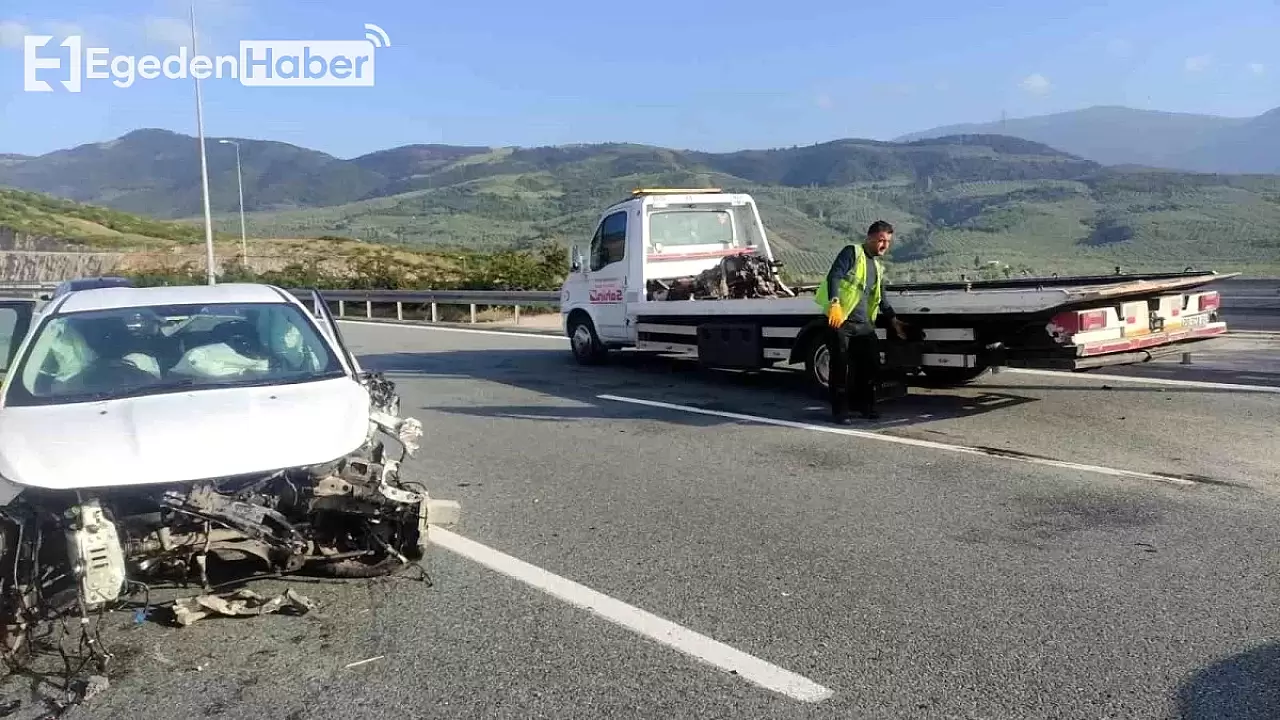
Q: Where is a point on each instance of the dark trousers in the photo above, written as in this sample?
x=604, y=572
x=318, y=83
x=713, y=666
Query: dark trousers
x=855, y=367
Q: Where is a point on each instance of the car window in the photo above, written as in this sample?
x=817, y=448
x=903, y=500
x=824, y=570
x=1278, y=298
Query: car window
x=123, y=352
x=8, y=324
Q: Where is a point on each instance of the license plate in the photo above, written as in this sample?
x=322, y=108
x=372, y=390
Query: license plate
x=1195, y=321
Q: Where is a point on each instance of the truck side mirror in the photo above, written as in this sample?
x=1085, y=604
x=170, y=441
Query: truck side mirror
x=575, y=262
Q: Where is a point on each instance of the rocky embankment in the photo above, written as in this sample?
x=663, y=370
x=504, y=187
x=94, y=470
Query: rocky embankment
x=26, y=258
x=37, y=259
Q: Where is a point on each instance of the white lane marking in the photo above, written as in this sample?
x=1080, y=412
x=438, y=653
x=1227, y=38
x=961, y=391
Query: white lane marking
x=1028, y=371
x=703, y=648
x=516, y=333
x=1149, y=381
x=869, y=435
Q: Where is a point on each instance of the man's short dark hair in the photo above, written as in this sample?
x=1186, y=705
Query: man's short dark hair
x=879, y=226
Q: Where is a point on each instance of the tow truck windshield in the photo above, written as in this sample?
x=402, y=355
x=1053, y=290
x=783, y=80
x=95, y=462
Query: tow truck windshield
x=691, y=227
x=128, y=352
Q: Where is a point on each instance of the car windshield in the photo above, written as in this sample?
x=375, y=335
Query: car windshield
x=128, y=352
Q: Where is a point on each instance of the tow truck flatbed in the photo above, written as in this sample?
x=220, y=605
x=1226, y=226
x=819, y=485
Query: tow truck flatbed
x=691, y=272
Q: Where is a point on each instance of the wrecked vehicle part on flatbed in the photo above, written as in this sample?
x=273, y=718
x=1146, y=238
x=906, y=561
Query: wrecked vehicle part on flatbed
x=239, y=383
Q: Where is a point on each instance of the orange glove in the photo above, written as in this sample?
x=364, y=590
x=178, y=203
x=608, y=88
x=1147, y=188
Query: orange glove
x=835, y=315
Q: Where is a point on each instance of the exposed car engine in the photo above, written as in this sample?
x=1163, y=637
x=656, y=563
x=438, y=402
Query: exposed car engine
x=81, y=551
x=745, y=275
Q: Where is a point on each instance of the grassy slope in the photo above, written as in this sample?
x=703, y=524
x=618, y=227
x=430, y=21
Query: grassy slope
x=88, y=227
x=1140, y=220
x=152, y=243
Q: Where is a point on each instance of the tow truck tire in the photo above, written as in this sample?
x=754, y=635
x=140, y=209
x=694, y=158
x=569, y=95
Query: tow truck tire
x=583, y=340
x=817, y=363
x=952, y=376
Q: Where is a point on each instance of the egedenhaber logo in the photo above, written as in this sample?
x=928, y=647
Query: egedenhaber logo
x=261, y=63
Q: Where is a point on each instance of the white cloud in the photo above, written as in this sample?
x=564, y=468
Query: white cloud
x=1036, y=84
x=1257, y=68
x=1197, y=63
x=11, y=33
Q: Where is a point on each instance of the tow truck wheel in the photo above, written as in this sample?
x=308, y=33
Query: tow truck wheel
x=586, y=345
x=817, y=364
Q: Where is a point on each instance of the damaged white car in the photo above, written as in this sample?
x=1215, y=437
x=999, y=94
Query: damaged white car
x=144, y=429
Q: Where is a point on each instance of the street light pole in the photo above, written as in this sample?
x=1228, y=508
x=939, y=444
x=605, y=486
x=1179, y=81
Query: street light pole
x=244, y=244
x=204, y=160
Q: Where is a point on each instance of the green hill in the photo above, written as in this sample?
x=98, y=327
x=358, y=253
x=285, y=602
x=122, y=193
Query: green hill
x=86, y=226
x=1045, y=213
x=976, y=204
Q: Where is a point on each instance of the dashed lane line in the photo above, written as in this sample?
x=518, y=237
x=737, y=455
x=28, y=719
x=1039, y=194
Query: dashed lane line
x=1241, y=387
x=913, y=442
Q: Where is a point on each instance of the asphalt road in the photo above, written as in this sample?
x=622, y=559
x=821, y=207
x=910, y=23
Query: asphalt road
x=1251, y=304
x=909, y=581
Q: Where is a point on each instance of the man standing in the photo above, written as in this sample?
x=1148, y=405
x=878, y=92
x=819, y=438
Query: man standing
x=852, y=299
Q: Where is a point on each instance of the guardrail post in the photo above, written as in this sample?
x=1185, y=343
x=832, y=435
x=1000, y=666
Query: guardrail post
x=1186, y=358
x=473, y=313
x=342, y=308
x=368, y=308
x=399, y=310
x=517, y=314
x=435, y=312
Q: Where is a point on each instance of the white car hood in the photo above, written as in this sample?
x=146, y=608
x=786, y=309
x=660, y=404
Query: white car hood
x=182, y=436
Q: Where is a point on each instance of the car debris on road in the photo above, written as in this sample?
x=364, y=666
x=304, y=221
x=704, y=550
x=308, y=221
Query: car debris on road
x=145, y=431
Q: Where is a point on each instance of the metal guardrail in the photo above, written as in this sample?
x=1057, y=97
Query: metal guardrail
x=434, y=298
x=448, y=297
x=368, y=298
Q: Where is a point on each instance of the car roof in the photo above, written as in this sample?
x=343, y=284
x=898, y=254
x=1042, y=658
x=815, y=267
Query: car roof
x=124, y=297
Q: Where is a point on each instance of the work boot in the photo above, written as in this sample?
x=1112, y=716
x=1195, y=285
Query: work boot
x=840, y=412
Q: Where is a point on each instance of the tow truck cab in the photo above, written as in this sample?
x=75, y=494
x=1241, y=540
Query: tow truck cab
x=644, y=242
x=691, y=272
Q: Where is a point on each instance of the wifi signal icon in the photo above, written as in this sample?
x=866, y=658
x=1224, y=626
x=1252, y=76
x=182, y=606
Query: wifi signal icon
x=376, y=35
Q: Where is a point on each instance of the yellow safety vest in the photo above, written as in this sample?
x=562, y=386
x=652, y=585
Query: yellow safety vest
x=853, y=285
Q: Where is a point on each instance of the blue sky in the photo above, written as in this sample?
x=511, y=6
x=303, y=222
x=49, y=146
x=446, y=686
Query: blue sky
x=716, y=75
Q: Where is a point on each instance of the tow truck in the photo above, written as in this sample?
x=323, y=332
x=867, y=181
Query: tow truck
x=691, y=273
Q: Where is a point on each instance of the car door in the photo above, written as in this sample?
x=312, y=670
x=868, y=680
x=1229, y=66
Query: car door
x=15, y=322
x=607, y=276
x=320, y=310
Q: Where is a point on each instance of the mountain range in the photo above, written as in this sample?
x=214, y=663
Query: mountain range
x=1113, y=135
x=960, y=200
x=156, y=172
